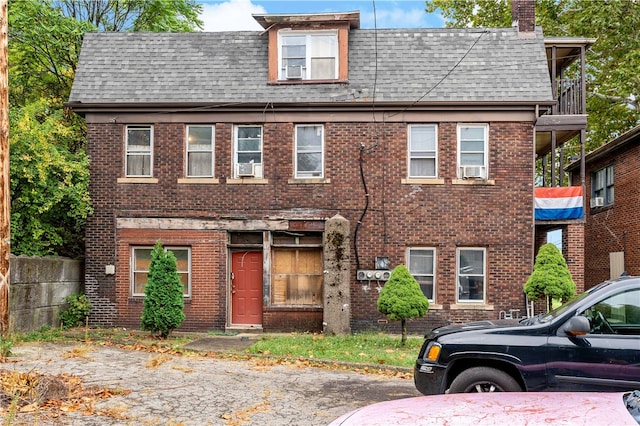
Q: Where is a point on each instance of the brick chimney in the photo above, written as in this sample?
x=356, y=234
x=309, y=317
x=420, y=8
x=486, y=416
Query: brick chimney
x=523, y=15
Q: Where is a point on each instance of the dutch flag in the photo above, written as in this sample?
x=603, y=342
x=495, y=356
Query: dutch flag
x=558, y=203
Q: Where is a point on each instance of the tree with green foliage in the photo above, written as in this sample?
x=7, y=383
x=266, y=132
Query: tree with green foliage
x=163, y=309
x=401, y=299
x=49, y=185
x=551, y=278
x=49, y=167
x=612, y=62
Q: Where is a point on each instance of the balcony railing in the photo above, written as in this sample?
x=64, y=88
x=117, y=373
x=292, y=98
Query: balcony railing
x=569, y=96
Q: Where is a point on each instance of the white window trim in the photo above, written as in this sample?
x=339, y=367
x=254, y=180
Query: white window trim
x=132, y=259
x=485, y=159
x=484, y=275
x=435, y=253
x=126, y=147
x=306, y=175
x=187, y=151
x=258, y=166
x=306, y=75
x=409, y=158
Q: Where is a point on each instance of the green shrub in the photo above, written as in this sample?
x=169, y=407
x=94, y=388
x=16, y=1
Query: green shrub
x=401, y=298
x=74, y=315
x=5, y=346
x=163, y=309
x=550, y=278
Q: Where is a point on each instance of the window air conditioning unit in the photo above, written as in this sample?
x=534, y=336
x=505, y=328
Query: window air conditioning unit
x=597, y=202
x=376, y=275
x=470, y=172
x=245, y=170
x=294, y=72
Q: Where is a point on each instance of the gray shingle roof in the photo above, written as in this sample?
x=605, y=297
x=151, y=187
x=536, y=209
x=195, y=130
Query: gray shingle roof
x=491, y=65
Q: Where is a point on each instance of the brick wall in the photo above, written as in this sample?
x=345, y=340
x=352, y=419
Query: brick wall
x=446, y=216
x=606, y=226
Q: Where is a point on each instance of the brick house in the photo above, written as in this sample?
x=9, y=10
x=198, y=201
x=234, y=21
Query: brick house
x=612, y=220
x=290, y=169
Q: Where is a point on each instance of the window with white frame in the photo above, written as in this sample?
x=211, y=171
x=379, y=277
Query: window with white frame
x=421, y=264
x=471, y=274
x=309, y=151
x=423, y=151
x=139, y=151
x=602, y=186
x=248, y=151
x=141, y=260
x=200, y=148
x=473, y=150
x=308, y=55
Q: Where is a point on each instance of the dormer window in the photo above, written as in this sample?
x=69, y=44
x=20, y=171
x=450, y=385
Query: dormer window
x=308, y=55
x=309, y=48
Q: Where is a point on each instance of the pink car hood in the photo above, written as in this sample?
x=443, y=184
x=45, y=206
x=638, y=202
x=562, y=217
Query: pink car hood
x=500, y=409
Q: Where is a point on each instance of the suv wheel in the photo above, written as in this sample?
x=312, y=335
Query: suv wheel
x=484, y=379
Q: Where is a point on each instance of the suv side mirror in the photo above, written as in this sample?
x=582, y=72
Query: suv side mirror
x=577, y=326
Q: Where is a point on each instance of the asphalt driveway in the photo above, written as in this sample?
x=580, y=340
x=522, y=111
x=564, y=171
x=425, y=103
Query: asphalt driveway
x=172, y=389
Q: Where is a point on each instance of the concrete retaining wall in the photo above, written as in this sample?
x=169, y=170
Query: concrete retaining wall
x=38, y=287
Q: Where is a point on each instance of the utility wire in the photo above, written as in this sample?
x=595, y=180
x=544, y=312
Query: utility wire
x=444, y=77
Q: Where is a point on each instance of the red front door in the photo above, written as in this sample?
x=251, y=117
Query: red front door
x=246, y=288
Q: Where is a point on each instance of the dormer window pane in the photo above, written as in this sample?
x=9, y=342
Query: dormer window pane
x=323, y=68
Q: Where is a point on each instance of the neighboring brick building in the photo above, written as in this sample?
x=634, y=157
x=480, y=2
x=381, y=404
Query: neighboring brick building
x=238, y=149
x=612, y=243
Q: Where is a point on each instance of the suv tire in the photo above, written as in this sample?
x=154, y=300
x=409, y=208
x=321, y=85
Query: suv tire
x=484, y=379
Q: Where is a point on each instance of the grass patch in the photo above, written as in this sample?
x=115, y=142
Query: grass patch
x=368, y=348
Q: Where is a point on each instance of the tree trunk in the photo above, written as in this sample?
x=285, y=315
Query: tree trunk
x=404, y=331
x=5, y=216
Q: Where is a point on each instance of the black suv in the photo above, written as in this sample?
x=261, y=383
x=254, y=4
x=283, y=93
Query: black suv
x=589, y=344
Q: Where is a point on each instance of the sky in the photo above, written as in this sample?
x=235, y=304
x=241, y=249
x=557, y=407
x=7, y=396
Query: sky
x=232, y=15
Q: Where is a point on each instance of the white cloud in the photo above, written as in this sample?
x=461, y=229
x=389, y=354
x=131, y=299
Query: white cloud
x=232, y=15
x=397, y=18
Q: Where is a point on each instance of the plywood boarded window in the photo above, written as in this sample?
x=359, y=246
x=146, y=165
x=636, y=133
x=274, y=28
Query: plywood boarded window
x=296, y=277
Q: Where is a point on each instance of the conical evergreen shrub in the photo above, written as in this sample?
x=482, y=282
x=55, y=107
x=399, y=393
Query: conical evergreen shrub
x=401, y=298
x=163, y=309
x=550, y=278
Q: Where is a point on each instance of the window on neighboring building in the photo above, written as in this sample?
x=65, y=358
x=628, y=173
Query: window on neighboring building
x=141, y=260
x=473, y=150
x=423, y=151
x=471, y=275
x=296, y=269
x=308, y=55
x=602, y=187
x=421, y=264
x=139, y=147
x=309, y=151
x=200, y=145
x=248, y=151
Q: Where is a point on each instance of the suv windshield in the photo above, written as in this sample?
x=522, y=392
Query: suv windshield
x=569, y=305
